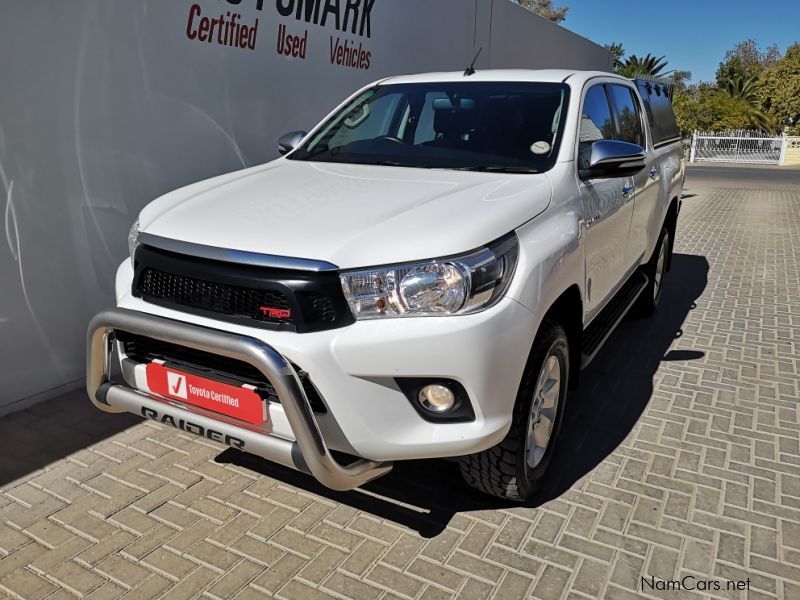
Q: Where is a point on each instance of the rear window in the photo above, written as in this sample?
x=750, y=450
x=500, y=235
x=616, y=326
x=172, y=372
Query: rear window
x=658, y=106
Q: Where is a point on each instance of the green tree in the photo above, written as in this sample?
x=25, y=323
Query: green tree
x=705, y=108
x=545, y=8
x=646, y=65
x=779, y=90
x=616, y=50
x=746, y=59
x=679, y=79
x=742, y=92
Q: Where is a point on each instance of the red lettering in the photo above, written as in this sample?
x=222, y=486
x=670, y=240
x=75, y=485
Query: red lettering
x=202, y=31
x=193, y=12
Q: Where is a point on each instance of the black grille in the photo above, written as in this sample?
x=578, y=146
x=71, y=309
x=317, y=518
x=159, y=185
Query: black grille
x=283, y=299
x=261, y=305
x=220, y=368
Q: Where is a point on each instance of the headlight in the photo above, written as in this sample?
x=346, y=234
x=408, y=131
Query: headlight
x=447, y=286
x=133, y=239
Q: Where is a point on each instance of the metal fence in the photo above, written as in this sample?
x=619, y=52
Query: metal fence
x=742, y=146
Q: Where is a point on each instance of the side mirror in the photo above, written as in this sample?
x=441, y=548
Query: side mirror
x=612, y=158
x=289, y=141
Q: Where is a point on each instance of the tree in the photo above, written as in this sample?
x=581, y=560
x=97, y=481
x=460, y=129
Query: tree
x=545, y=8
x=706, y=109
x=742, y=92
x=746, y=59
x=679, y=79
x=616, y=50
x=646, y=65
x=779, y=90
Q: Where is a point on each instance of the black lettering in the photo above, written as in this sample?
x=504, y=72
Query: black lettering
x=311, y=8
x=194, y=428
x=234, y=442
x=352, y=7
x=651, y=583
x=149, y=413
x=168, y=420
x=214, y=435
x=284, y=7
x=366, y=18
x=331, y=6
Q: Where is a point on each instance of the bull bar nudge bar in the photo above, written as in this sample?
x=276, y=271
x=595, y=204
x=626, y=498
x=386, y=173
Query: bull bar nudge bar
x=309, y=453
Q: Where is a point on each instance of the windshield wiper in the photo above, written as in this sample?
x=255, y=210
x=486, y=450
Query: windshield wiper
x=498, y=169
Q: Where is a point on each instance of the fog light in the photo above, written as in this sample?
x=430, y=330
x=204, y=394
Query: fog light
x=436, y=398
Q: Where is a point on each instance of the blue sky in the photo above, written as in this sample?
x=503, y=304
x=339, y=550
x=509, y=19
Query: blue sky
x=693, y=34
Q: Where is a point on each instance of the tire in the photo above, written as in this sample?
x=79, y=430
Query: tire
x=656, y=270
x=504, y=470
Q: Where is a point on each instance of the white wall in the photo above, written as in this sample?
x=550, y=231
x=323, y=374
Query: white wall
x=107, y=105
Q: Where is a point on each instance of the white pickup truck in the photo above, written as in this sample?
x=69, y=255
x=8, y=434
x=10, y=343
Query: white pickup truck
x=424, y=274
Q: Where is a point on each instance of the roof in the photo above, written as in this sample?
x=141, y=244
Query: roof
x=539, y=75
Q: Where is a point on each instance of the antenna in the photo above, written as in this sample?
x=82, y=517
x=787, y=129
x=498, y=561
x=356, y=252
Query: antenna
x=470, y=70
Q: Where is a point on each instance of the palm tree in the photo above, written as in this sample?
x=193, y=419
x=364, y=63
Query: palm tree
x=744, y=91
x=645, y=65
x=743, y=88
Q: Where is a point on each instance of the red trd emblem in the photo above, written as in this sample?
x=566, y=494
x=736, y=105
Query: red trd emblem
x=275, y=313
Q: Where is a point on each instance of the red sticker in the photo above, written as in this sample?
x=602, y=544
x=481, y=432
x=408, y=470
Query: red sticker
x=238, y=402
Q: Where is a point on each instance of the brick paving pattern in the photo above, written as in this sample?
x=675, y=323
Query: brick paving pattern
x=680, y=456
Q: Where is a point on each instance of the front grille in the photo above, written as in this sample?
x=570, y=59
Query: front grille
x=215, y=297
x=229, y=370
x=253, y=296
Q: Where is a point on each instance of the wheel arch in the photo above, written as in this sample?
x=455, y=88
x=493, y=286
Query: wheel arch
x=671, y=223
x=567, y=311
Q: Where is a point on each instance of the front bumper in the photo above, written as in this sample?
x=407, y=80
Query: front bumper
x=308, y=452
x=355, y=368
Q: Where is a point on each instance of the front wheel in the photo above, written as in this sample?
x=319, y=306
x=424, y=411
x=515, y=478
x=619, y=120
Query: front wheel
x=513, y=469
x=655, y=270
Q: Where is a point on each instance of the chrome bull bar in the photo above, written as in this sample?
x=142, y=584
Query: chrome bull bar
x=309, y=453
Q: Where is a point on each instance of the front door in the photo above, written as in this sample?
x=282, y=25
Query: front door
x=607, y=207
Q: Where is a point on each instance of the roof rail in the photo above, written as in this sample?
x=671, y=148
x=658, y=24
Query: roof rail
x=650, y=82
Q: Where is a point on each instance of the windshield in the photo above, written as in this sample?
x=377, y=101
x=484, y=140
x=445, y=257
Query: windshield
x=482, y=126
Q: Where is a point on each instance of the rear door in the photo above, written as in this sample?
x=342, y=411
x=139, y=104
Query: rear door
x=607, y=206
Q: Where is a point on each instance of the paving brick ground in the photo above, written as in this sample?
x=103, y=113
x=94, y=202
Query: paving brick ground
x=681, y=457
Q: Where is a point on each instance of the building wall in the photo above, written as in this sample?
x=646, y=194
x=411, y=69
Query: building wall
x=107, y=105
x=792, y=157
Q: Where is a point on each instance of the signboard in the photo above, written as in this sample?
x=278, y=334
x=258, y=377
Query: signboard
x=107, y=105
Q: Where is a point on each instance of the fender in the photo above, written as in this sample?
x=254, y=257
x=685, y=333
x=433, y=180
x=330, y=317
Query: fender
x=551, y=257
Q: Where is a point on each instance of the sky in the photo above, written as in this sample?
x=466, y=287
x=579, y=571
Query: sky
x=693, y=34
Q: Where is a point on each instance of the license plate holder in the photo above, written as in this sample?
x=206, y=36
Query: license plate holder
x=241, y=403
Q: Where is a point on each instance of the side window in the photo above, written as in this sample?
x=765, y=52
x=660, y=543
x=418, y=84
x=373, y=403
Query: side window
x=627, y=113
x=596, y=123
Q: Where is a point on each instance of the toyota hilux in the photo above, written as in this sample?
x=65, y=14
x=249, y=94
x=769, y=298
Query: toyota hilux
x=423, y=274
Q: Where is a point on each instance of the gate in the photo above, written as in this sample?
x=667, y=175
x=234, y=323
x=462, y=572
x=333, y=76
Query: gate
x=743, y=146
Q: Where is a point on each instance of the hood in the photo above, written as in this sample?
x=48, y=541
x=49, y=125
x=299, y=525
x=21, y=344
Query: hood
x=348, y=215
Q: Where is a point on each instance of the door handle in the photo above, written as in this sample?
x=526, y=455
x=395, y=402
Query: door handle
x=628, y=189
x=655, y=172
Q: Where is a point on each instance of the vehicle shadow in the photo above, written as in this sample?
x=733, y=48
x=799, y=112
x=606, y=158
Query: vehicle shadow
x=51, y=430
x=614, y=392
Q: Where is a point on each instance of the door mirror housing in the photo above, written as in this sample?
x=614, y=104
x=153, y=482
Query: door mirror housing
x=289, y=141
x=612, y=158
